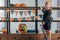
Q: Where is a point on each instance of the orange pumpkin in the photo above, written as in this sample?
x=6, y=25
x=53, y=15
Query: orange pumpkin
x=16, y=5
x=23, y=5
x=3, y=19
x=28, y=18
x=33, y=11
x=7, y=10
x=36, y=17
x=11, y=19
x=22, y=28
x=20, y=19
x=4, y=30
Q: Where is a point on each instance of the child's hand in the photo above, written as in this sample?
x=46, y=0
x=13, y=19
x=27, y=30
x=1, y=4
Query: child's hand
x=42, y=24
x=41, y=8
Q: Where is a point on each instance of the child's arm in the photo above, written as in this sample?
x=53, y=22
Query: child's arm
x=42, y=9
x=42, y=24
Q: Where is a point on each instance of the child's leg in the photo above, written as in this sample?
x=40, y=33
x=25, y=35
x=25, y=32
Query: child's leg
x=48, y=32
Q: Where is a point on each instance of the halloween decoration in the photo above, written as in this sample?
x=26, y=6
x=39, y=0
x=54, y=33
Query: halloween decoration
x=33, y=11
x=22, y=28
x=29, y=12
x=25, y=13
x=23, y=5
x=19, y=19
x=32, y=17
x=28, y=18
x=11, y=5
x=4, y=30
x=16, y=5
x=3, y=19
x=11, y=19
x=41, y=15
x=7, y=10
x=36, y=17
x=16, y=12
x=15, y=19
x=21, y=12
x=12, y=11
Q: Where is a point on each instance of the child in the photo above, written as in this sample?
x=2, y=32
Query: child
x=46, y=22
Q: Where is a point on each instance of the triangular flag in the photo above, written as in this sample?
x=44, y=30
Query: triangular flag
x=21, y=12
x=33, y=11
x=11, y=19
x=16, y=5
x=32, y=17
x=29, y=12
x=20, y=19
x=41, y=15
x=16, y=12
x=7, y=10
x=3, y=19
x=12, y=11
x=25, y=13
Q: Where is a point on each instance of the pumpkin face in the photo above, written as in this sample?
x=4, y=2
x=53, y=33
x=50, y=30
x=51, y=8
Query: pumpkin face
x=22, y=28
x=16, y=5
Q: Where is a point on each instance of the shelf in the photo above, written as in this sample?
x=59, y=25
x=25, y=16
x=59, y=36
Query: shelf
x=18, y=8
x=27, y=8
x=17, y=21
x=27, y=20
x=52, y=21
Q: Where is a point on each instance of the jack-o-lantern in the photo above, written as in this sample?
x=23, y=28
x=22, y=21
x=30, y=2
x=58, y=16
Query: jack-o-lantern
x=16, y=5
x=22, y=28
x=23, y=5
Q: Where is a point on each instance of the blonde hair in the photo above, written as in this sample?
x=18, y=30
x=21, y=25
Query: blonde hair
x=47, y=2
x=50, y=6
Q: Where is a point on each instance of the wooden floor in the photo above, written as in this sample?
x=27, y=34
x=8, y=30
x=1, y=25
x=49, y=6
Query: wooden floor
x=27, y=37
